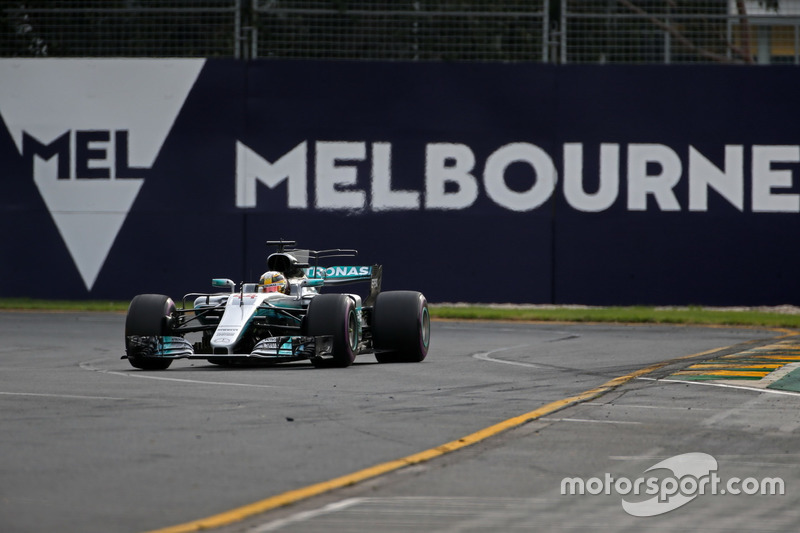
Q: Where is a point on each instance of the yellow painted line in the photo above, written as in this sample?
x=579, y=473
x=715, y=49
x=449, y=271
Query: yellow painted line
x=754, y=358
x=752, y=363
x=743, y=374
x=294, y=496
x=730, y=365
x=764, y=353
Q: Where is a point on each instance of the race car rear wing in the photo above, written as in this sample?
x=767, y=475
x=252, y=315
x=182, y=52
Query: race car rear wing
x=341, y=275
x=294, y=262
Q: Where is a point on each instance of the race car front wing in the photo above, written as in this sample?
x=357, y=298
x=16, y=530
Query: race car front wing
x=149, y=346
x=293, y=348
x=277, y=349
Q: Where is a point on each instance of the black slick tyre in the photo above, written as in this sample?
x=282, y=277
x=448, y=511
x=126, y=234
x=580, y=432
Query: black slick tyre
x=334, y=315
x=401, y=327
x=147, y=317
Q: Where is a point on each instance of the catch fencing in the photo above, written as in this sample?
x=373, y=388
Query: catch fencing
x=541, y=31
x=680, y=31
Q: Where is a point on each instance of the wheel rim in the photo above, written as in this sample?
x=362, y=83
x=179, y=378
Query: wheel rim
x=425, y=327
x=352, y=331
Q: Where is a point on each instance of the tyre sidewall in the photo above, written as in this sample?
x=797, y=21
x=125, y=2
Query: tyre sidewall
x=331, y=314
x=147, y=317
x=401, y=326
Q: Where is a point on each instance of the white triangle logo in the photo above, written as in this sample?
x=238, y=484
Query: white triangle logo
x=88, y=213
x=44, y=99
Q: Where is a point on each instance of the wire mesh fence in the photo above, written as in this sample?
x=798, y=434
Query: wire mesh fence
x=680, y=31
x=455, y=30
x=119, y=28
x=557, y=31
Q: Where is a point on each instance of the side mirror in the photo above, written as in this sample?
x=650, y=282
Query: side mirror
x=313, y=282
x=220, y=283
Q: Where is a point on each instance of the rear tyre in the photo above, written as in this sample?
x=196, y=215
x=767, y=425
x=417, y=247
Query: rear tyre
x=334, y=315
x=401, y=327
x=147, y=317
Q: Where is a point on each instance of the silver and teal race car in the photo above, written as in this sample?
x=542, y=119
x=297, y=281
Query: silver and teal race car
x=283, y=317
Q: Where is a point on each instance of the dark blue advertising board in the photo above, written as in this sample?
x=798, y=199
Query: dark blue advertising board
x=517, y=183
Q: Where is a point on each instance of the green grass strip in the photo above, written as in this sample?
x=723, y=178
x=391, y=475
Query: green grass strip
x=637, y=315
x=31, y=304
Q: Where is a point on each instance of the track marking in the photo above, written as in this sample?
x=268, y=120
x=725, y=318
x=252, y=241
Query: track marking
x=724, y=385
x=734, y=412
x=293, y=496
x=487, y=356
x=66, y=396
x=89, y=365
x=307, y=515
x=417, y=511
x=723, y=373
x=587, y=420
x=756, y=364
x=711, y=366
x=634, y=406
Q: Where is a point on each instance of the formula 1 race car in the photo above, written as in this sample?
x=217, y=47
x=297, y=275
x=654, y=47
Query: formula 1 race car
x=283, y=317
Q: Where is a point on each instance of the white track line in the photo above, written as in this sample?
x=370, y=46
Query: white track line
x=306, y=515
x=89, y=365
x=487, y=356
x=67, y=396
x=636, y=406
x=724, y=385
x=590, y=421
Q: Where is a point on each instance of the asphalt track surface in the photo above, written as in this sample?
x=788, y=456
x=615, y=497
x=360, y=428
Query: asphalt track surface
x=89, y=444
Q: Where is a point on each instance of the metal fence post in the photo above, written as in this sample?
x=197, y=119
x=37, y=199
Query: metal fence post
x=545, y=30
x=583, y=31
x=237, y=30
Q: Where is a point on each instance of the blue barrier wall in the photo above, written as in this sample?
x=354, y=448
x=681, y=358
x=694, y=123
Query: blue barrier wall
x=469, y=182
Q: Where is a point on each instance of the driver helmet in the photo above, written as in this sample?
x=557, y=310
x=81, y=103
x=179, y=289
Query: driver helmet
x=272, y=281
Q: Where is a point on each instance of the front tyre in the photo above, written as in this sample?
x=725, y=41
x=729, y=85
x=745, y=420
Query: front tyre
x=147, y=318
x=401, y=327
x=334, y=315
